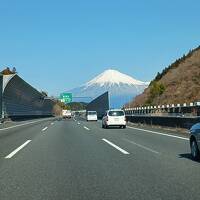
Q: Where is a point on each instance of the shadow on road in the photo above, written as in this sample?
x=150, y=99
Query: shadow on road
x=27, y=118
x=114, y=127
x=188, y=156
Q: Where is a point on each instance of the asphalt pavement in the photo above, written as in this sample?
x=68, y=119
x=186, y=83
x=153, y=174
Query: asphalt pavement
x=78, y=160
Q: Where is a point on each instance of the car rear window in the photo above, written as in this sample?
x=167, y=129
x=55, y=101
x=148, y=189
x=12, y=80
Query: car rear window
x=116, y=113
x=92, y=113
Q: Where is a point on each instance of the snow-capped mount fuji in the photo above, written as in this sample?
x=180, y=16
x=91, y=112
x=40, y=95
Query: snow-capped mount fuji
x=111, y=77
x=121, y=87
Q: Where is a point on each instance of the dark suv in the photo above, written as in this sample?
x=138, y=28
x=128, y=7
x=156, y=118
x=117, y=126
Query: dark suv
x=195, y=141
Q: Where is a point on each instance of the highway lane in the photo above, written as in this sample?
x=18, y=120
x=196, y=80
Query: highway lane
x=14, y=134
x=80, y=160
x=161, y=143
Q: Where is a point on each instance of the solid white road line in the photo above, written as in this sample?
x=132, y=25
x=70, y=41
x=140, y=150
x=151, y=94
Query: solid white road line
x=19, y=125
x=86, y=128
x=158, y=133
x=44, y=129
x=141, y=146
x=115, y=146
x=18, y=149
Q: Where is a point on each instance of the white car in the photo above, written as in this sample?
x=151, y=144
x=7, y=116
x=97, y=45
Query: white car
x=114, y=118
x=66, y=114
x=91, y=116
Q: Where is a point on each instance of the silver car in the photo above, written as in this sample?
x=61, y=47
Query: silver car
x=195, y=141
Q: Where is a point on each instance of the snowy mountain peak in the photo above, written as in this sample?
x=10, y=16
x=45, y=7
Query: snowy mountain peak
x=121, y=88
x=112, y=77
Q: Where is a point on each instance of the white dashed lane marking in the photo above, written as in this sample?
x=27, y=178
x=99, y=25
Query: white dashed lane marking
x=142, y=146
x=115, y=146
x=86, y=128
x=44, y=129
x=17, y=150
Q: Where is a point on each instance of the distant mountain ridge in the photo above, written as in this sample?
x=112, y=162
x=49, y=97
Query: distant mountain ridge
x=178, y=83
x=121, y=87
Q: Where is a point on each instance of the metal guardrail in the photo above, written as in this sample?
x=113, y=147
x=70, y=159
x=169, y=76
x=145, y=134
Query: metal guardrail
x=165, y=115
x=191, y=109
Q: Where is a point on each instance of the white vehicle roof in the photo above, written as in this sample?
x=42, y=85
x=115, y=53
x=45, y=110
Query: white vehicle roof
x=91, y=111
x=115, y=110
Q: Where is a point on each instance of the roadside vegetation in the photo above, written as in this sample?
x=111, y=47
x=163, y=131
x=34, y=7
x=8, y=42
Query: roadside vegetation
x=156, y=90
x=175, y=64
x=77, y=106
x=177, y=83
x=8, y=71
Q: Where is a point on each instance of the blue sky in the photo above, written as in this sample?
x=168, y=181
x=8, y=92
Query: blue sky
x=58, y=45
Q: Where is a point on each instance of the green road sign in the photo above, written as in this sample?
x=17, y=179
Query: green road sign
x=66, y=97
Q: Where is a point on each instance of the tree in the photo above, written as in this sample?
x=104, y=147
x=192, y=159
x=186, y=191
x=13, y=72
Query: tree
x=14, y=70
x=175, y=64
x=156, y=89
x=7, y=71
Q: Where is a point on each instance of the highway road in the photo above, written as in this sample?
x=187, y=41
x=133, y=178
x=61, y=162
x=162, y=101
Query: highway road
x=74, y=159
